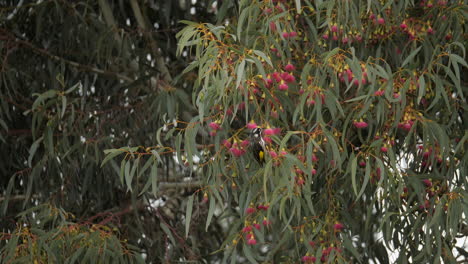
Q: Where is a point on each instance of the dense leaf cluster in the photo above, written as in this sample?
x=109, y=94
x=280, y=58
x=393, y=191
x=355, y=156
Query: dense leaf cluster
x=363, y=106
x=107, y=142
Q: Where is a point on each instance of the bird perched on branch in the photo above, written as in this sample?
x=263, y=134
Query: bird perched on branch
x=257, y=144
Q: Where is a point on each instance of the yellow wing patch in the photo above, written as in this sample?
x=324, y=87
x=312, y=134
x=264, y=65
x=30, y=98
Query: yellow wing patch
x=261, y=154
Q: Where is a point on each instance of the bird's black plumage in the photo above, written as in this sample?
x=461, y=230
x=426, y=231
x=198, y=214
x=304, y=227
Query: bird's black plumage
x=257, y=145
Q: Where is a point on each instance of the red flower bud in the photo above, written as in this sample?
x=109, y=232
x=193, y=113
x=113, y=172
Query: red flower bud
x=250, y=210
x=283, y=87
x=252, y=125
x=215, y=126
x=338, y=227
x=252, y=241
x=289, y=67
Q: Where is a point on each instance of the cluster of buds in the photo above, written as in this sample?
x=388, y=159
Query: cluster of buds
x=317, y=92
x=360, y=124
x=414, y=29
x=308, y=259
x=288, y=35
x=347, y=75
x=283, y=79
x=215, y=127
x=251, y=238
x=327, y=251
x=237, y=149
x=336, y=33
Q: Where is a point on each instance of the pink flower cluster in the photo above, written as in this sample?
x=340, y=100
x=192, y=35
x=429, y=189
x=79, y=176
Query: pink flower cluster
x=348, y=75
x=360, y=124
x=215, y=127
x=288, y=35
x=406, y=125
x=283, y=78
x=272, y=131
x=308, y=259
x=236, y=149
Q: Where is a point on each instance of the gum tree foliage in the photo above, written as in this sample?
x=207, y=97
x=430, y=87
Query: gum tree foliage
x=79, y=77
x=362, y=104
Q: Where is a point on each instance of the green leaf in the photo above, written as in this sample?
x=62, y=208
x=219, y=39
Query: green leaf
x=298, y=6
x=154, y=178
x=188, y=214
x=353, y=174
x=264, y=57
x=211, y=210
x=168, y=232
x=411, y=56
x=110, y=154
x=421, y=89
x=366, y=180
x=42, y=97
x=33, y=149
x=240, y=73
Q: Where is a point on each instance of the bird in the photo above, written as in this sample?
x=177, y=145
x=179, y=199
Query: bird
x=257, y=144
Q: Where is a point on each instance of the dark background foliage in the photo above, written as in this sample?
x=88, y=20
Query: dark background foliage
x=107, y=111
x=79, y=77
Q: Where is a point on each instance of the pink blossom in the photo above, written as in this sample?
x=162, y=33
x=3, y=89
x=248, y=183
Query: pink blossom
x=226, y=143
x=338, y=227
x=276, y=76
x=308, y=259
x=247, y=229
x=285, y=35
x=215, y=126
x=267, y=140
x=427, y=182
x=250, y=210
x=325, y=36
x=384, y=149
x=257, y=226
x=283, y=87
x=266, y=222
x=269, y=131
x=252, y=241
x=236, y=152
x=289, y=78
x=314, y=171
x=381, y=21
x=361, y=124
x=245, y=143
x=289, y=67
x=252, y=125
x=273, y=154
x=334, y=28
x=403, y=26
x=292, y=34
x=379, y=93
x=314, y=158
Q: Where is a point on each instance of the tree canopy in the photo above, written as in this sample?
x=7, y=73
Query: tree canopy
x=125, y=131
